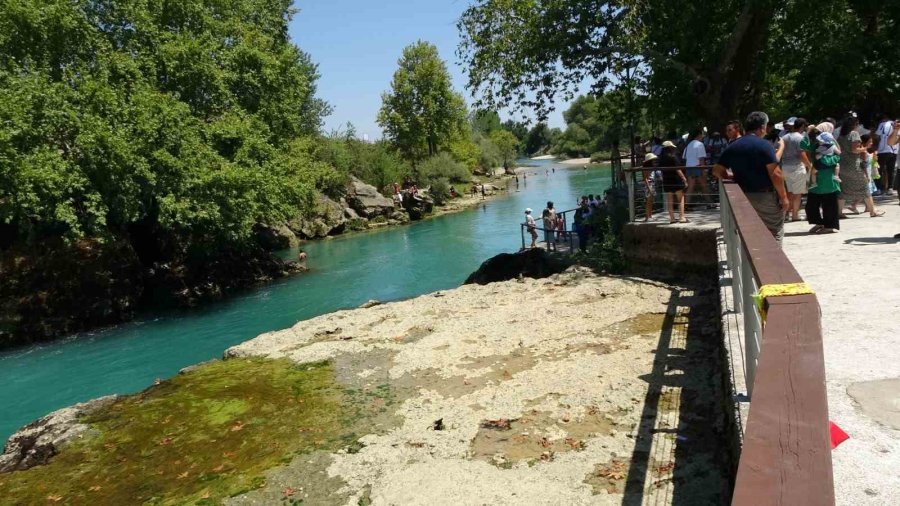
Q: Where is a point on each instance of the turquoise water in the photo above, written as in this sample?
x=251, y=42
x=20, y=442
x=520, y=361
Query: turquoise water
x=386, y=265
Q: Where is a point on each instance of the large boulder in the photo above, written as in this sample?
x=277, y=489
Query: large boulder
x=36, y=443
x=327, y=218
x=531, y=263
x=365, y=200
x=418, y=207
x=275, y=237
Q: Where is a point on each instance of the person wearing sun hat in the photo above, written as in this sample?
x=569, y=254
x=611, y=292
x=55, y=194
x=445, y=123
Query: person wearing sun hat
x=674, y=181
x=649, y=189
x=531, y=225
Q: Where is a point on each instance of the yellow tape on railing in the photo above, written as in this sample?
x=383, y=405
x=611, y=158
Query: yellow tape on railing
x=767, y=291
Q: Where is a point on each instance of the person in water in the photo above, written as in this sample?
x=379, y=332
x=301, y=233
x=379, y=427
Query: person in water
x=301, y=257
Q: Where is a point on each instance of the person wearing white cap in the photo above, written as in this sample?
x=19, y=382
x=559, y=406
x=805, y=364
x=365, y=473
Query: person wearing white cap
x=531, y=226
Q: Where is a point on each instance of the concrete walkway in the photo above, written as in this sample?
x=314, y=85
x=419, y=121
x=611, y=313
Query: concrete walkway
x=855, y=275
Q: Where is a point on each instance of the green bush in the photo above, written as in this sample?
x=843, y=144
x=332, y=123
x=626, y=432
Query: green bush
x=375, y=163
x=489, y=154
x=600, y=157
x=605, y=252
x=442, y=166
x=440, y=191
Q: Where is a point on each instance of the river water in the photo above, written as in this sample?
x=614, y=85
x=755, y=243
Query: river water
x=386, y=265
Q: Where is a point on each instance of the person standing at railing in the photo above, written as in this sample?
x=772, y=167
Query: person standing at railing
x=548, y=217
x=531, y=226
x=753, y=164
x=674, y=182
x=579, y=222
x=694, y=157
x=649, y=189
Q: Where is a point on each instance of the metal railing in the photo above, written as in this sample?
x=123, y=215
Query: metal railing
x=637, y=200
x=786, y=455
x=567, y=231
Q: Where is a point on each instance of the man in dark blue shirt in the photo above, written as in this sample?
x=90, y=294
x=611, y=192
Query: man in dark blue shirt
x=752, y=162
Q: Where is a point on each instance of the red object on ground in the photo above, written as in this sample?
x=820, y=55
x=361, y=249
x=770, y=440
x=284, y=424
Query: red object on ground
x=838, y=436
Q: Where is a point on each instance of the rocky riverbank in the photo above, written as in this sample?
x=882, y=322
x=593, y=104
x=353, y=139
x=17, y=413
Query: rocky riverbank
x=50, y=290
x=573, y=389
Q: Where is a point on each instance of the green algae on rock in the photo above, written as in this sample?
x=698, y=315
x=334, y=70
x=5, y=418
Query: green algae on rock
x=201, y=437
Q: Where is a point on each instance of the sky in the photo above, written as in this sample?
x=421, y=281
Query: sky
x=357, y=43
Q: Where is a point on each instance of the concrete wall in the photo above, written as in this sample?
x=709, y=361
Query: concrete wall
x=662, y=249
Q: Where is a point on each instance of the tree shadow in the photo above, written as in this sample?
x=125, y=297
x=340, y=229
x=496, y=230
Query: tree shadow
x=685, y=413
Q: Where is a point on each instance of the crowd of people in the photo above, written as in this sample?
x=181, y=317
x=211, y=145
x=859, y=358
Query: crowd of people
x=836, y=166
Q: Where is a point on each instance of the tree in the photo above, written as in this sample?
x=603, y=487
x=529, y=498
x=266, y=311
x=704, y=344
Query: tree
x=485, y=122
x=517, y=128
x=507, y=144
x=181, y=118
x=421, y=113
x=538, y=139
x=704, y=60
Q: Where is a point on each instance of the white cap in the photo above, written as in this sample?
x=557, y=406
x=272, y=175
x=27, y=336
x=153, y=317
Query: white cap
x=527, y=210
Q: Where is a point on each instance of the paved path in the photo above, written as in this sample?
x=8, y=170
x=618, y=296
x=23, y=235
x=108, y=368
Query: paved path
x=855, y=274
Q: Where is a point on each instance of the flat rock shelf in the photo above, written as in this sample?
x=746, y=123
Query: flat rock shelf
x=574, y=389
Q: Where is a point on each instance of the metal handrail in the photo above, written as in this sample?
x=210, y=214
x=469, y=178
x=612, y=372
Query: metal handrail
x=786, y=456
x=668, y=168
x=631, y=173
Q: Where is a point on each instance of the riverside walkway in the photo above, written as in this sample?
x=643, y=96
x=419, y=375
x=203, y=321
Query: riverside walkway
x=854, y=274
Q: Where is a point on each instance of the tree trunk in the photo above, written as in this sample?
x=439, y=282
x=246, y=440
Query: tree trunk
x=723, y=93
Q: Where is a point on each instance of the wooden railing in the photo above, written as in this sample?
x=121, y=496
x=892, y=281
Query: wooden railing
x=786, y=453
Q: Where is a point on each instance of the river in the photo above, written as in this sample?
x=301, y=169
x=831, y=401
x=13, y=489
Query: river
x=386, y=265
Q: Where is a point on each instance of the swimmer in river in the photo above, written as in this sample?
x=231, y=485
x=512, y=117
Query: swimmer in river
x=301, y=257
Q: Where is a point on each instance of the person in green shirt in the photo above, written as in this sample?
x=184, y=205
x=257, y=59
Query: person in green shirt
x=822, y=208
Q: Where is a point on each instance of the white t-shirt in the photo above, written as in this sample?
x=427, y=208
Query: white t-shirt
x=693, y=153
x=885, y=129
x=529, y=220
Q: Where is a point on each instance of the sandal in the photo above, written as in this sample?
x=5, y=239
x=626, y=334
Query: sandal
x=684, y=220
x=816, y=228
x=876, y=214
